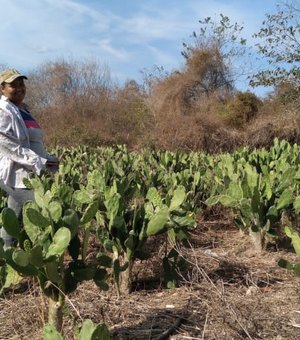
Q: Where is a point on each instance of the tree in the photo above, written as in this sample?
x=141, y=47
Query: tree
x=64, y=82
x=223, y=43
x=222, y=34
x=280, y=45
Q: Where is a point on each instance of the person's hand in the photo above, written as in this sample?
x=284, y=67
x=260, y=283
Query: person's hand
x=52, y=165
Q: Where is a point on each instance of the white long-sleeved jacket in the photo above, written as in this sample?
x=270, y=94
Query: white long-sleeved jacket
x=17, y=160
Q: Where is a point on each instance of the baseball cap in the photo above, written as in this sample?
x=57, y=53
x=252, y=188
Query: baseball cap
x=9, y=75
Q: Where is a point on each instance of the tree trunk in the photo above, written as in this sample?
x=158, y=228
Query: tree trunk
x=257, y=238
x=125, y=278
x=55, y=316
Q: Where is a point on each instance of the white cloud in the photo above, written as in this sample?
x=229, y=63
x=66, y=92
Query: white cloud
x=77, y=11
x=143, y=28
x=106, y=46
x=127, y=35
x=52, y=27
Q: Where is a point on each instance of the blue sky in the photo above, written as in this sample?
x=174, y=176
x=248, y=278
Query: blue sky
x=125, y=35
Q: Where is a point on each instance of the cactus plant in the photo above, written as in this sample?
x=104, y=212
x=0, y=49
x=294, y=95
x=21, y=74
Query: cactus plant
x=50, y=233
x=88, y=331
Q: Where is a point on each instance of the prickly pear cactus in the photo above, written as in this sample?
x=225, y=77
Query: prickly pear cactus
x=50, y=249
x=295, y=239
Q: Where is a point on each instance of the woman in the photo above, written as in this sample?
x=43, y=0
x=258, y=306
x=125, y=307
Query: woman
x=21, y=144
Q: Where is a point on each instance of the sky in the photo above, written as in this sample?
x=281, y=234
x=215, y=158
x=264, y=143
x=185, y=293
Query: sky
x=127, y=36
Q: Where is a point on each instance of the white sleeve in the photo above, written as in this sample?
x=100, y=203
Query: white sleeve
x=11, y=148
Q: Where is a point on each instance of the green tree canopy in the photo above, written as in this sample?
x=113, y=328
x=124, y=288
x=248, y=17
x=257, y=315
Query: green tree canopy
x=280, y=45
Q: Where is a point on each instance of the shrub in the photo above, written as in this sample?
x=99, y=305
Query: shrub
x=242, y=108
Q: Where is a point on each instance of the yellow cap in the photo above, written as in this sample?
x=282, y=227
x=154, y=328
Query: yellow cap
x=9, y=75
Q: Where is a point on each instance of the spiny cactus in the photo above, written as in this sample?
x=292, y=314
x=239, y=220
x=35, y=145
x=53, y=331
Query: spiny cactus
x=48, y=234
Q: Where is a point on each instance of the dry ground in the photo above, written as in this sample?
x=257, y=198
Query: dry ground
x=229, y=292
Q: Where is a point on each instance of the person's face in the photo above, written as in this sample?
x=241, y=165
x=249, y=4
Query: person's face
x=14, y=91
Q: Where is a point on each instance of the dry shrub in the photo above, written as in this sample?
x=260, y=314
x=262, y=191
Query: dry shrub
x=288, y=94
x=79, y=104
x=273, y=120
x=115, y=123
x=130, y=117
x=207, y=68
x=201, y=129
x=240, y=109
x=203, y=75
x=177, y=132
x=196, y=108
x=170, y=96
x=223, y=140
x=185, y=104
x=69, y=98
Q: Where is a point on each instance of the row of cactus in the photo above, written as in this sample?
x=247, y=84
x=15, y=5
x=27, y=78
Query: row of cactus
x=124, y=198
x=119, y=193
x=116, y=203
x=260, y=187
x=127, y=214
x=50, y=250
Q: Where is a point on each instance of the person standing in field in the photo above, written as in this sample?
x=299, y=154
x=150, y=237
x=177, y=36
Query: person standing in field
x=22, y=149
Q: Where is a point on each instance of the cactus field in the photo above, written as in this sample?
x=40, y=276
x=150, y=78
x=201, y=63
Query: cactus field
x=156, y=245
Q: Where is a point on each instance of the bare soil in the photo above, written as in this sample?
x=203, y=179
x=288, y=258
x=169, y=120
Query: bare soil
x=228, y=292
